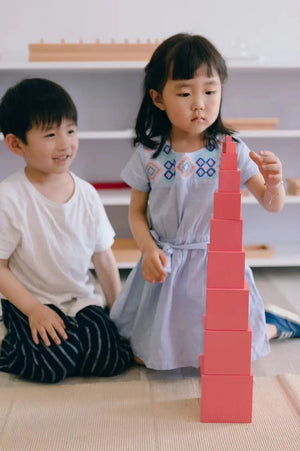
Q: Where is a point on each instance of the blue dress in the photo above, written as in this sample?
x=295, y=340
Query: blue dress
x=164, y=320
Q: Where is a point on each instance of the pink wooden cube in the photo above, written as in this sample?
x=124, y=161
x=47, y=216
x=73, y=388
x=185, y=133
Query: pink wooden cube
x=226, y=234
x=229, y=146
x=225, y=269
x=227, y=308
x=226, y=398
x=227, y=205
x=227, y=352
x=230, y=181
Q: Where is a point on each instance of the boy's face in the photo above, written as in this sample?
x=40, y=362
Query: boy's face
x=51, y=150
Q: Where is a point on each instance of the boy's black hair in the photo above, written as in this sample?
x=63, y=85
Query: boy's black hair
x=34, y=102
x=178, y=57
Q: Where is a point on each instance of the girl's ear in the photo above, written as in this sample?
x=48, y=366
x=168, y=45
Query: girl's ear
x=14, y=144
x=157, y=99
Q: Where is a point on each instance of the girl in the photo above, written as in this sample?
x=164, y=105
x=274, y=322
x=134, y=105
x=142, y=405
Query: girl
x=173, y=174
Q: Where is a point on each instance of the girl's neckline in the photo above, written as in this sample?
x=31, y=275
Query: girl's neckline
x=210, y=146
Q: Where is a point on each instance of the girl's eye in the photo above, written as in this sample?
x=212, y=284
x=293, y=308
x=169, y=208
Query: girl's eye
x=184, y=94
x=209, y=93
x=70, y=132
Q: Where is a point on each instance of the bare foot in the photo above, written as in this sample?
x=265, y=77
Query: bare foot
x=139, y=361
x=272, y=331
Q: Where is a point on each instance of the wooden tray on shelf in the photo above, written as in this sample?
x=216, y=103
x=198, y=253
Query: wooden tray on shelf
x=96, y=51
x=257, y=123
x=126, y=251
x=258, y=251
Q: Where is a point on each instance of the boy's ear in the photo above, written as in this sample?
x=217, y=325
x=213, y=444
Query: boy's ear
x=14, y=144
x=157, y=99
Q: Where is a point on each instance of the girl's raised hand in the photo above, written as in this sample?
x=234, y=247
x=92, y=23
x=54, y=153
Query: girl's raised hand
x=153, y=266
x=269, y=166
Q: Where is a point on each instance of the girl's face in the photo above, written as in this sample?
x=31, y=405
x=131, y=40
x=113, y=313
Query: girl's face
x=191, y=105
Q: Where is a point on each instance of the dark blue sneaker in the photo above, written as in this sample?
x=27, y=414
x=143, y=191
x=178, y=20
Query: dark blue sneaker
x=286, y=322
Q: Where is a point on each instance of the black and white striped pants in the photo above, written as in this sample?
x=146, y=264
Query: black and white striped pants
x=93, y=347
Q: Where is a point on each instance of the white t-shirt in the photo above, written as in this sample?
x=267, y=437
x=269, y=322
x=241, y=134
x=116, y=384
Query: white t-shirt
x=49, y=246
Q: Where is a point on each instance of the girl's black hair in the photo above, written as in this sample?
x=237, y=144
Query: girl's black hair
x=179, y=57
x=34, y=102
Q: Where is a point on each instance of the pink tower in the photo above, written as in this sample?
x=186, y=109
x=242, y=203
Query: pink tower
x=226, y=377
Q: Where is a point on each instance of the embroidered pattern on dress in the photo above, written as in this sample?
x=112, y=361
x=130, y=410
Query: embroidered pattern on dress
x=170, y=172
x=186, y=166
x=152, y=170
x=210, y=146
x=205, y=167
x=167, y=149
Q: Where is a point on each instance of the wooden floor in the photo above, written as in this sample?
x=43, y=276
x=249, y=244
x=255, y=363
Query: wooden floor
x=280, y=286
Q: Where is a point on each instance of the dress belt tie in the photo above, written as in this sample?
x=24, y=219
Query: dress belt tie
x=168, y=248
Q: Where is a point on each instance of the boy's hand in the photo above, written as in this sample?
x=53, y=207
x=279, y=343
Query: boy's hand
x=44, y=321
x=269, y=166
x=153, y=266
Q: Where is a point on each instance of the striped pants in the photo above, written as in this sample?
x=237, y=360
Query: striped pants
x=93, y=347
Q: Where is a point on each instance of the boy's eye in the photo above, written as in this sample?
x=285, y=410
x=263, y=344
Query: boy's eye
x=184, y=94
x=50, y=135
x=70, y=132
x=209, y=93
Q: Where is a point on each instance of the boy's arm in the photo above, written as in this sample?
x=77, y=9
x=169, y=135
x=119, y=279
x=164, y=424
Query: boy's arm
x=108, y=275
x=42, y=319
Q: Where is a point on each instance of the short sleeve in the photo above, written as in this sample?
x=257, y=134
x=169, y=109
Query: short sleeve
x=10, y=235
x=104, y=231
x=134, y=173
x=247, y=166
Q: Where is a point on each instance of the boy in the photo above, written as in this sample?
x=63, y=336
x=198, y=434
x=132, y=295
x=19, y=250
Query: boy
x=52, y=224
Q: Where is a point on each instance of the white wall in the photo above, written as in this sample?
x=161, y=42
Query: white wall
x=266, y=28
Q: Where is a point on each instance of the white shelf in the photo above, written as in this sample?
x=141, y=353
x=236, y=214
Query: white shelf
x=122, y=197
x=107, y=134
x=269, y=134
x=255, y=64
x=129, y=134
x=115, y=196
x=284, y=255
x=252, y=201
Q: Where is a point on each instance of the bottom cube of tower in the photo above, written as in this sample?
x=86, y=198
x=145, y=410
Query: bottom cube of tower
x=226, y=398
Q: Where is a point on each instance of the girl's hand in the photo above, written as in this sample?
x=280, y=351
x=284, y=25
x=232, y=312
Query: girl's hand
x=269, y=166
x=44, y=321
x=153, y=266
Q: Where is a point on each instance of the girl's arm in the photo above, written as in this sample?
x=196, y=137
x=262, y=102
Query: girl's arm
x=108, y=275
x=267, y=186
x=154, y=259
x=42, y=319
